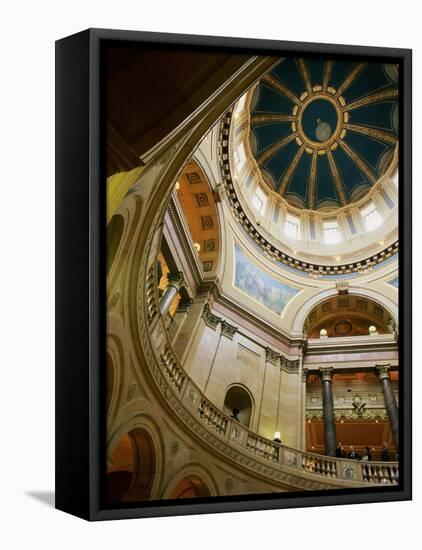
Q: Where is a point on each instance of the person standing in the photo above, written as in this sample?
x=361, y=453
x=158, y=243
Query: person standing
x=339, y=450
x=385, y=455
x=352, y=454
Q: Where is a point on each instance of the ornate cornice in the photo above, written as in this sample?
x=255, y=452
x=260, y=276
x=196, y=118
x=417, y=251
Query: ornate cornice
x=289, y=365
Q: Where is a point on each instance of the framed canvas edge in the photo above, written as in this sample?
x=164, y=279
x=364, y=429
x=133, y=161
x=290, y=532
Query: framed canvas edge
x=95, y=444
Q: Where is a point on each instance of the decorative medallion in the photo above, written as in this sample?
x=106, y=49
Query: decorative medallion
x=193, y=177
x=207, y=222
x=343, y=328
x=209, y=245
x=202, y=199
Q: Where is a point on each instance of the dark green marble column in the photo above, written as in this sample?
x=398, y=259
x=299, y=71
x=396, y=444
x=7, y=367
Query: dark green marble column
x=383, y=372
x=326, y=376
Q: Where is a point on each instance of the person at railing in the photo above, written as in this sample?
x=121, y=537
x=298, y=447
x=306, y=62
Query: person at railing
x=352, y=453
x=235, y=414
x=385, y=455
x=339, y=450
x=367, y=456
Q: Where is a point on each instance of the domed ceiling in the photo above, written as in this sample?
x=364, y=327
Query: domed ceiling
x=323, y=132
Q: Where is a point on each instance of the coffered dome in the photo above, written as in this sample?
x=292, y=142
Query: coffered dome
x=324, y=132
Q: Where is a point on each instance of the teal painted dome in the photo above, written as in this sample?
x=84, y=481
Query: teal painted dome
x=323, y=132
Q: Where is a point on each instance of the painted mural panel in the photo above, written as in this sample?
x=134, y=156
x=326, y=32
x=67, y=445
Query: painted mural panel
x=259, y=285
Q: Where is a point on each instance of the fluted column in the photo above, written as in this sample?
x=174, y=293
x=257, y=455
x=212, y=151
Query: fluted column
x=175, y=282
x=383, y=372
x=326, y=375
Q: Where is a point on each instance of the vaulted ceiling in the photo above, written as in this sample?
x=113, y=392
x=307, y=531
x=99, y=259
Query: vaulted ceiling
x=322, y=131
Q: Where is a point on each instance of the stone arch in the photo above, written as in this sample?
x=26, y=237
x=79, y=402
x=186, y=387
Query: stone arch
x=146, y=459
x=191, y=481
x=114, y=372
x=347, y=316
x=319, y=297
x=239, y=397
x=115, y=230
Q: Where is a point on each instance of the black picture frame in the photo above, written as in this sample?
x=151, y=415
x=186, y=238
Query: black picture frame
x=80, y=278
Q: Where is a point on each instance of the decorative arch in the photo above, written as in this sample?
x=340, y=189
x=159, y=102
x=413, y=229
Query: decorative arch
x=191, y=481
x=347, y=315
x=132, y=474
x=238, y=397
x=147, y=457
x=319, y=297
x=115, y=230
x=115, y=366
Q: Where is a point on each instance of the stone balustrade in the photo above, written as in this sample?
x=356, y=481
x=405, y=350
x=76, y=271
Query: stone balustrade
x=386, y=473
x=172, y=368
x=302, y=469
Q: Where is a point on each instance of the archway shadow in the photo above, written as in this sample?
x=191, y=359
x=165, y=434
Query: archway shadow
x=45, y=497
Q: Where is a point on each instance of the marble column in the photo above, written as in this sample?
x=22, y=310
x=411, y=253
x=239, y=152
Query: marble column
x=175, y=282
x=383, y=372
x=326, y=375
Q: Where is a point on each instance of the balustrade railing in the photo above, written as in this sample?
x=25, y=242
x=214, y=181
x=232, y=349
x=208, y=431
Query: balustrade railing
x=172, y=368
x=380, y=472
x=319, y=465
x=151, y=293
x=212, y=416
x=302, y=463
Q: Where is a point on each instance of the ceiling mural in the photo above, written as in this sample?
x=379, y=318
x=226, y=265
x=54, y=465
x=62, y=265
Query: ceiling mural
x=259, y=285
x=322, y=131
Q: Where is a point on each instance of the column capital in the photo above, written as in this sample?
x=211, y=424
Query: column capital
x=272, y=356
x=210, y=319
x=177, y=280
x=383, y=371
x=326, y=374
x=228, y=330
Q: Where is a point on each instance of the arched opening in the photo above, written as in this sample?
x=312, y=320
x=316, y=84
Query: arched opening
x=190, y=487
x=238, y=404
x=120, y=474
x=348, y=315
x=114, y=236
x=132, y=473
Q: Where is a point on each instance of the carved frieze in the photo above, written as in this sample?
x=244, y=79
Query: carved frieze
x=289, y=365
x=348, y=414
